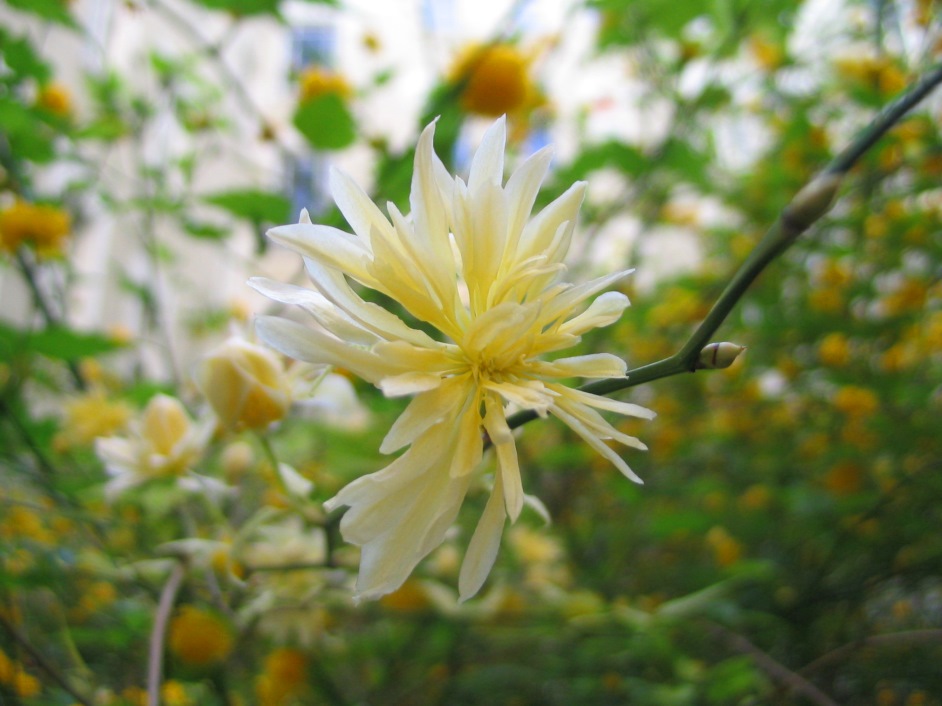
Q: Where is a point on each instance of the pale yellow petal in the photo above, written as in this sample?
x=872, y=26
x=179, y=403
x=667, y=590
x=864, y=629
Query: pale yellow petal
x=482, y=551
x=469, y=444
x=425, y=410
x=605, y=310
x=357, y=208
x=332, y=284
x=409, y=383
x=487, y=165
x=596, y=443
x=606, y=403
x=329, y=245
x=307, y=344
x=594, y=365
x=331, y=317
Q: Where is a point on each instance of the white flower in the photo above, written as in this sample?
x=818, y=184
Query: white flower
x=471, y=263
x=163, y=443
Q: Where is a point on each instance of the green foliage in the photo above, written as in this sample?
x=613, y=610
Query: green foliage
x=326, y=122
x=251, y=204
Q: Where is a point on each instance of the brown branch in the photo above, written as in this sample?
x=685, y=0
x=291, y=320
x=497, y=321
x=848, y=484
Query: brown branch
x=775, y=669
x=907, y=637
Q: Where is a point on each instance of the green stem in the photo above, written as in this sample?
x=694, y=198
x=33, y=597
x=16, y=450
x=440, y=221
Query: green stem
x=42, y=663
x=805, y=209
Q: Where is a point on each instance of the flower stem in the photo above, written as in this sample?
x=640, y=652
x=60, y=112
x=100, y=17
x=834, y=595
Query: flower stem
x=158, y=634
x=804, y=210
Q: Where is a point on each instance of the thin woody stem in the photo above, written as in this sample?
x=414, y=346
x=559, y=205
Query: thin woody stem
x=804, y=210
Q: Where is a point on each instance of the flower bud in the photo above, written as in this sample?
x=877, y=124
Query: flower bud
x=245, y=384
x=717, y=356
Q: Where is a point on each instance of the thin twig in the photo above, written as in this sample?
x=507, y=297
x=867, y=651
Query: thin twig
x=907, y=637
x=805, y=209
x=159, y=632
x=43, y=663
x=772, y=667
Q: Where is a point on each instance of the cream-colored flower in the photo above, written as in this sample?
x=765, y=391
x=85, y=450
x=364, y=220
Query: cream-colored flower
x=163, y=443
x=245, y=384
x=473, y=264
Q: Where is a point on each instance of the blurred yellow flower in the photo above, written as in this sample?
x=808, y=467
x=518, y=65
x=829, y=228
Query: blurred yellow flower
x=284, y=677
x=726, y=549
x=317, y=81
x=496, y=79
x=245, y=385
x=90, y=416
x=40, y=226
x=55, y=98
x=199, y=638
x=163, y=442
x=834, y=350
x=471, y=264
x=856, y=401
x=881, y=73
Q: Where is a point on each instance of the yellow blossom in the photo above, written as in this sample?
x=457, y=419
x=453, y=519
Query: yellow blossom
x=843, y=478
x=162, y=443
x=877, y=72
x=40, y=226
x=245, y=384
x=856, y=402
x=497, y=79
x=474, y=267
x=55, y=98
x=174, y=693
x=90, y=416
x=726, y=549
x=317, y=81
x=284, y=678
x=834, y=350
x=199, y=638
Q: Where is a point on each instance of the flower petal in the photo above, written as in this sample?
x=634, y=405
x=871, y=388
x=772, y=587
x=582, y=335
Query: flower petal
x=482, y=551
x=307, y=344
x=594, y=365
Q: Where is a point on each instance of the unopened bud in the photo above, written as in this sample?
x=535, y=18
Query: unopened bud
x=717, y=356
x=812, y=202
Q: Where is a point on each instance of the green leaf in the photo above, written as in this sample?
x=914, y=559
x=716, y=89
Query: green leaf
x=326, y=122
x=52, y=10
x=22, y=59
x=206, y=231
x=55, y=342
x=254, y=205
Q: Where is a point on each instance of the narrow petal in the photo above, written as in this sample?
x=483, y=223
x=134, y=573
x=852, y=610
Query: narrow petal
x=495, y=422
x=425, y=410
x=373, y=317
x=328, y=315
x=469, y=444
x=358, y=208
x=539, y=233
x=594, y=365
x=606, y=403
x=482, y=551
x=487, y=166
x=596, y=443
x=522, y=189
x=528, y=394
x=409, y=384
x=605, y=310
x=342, y=250
x=307, y=344
x=566, y=300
